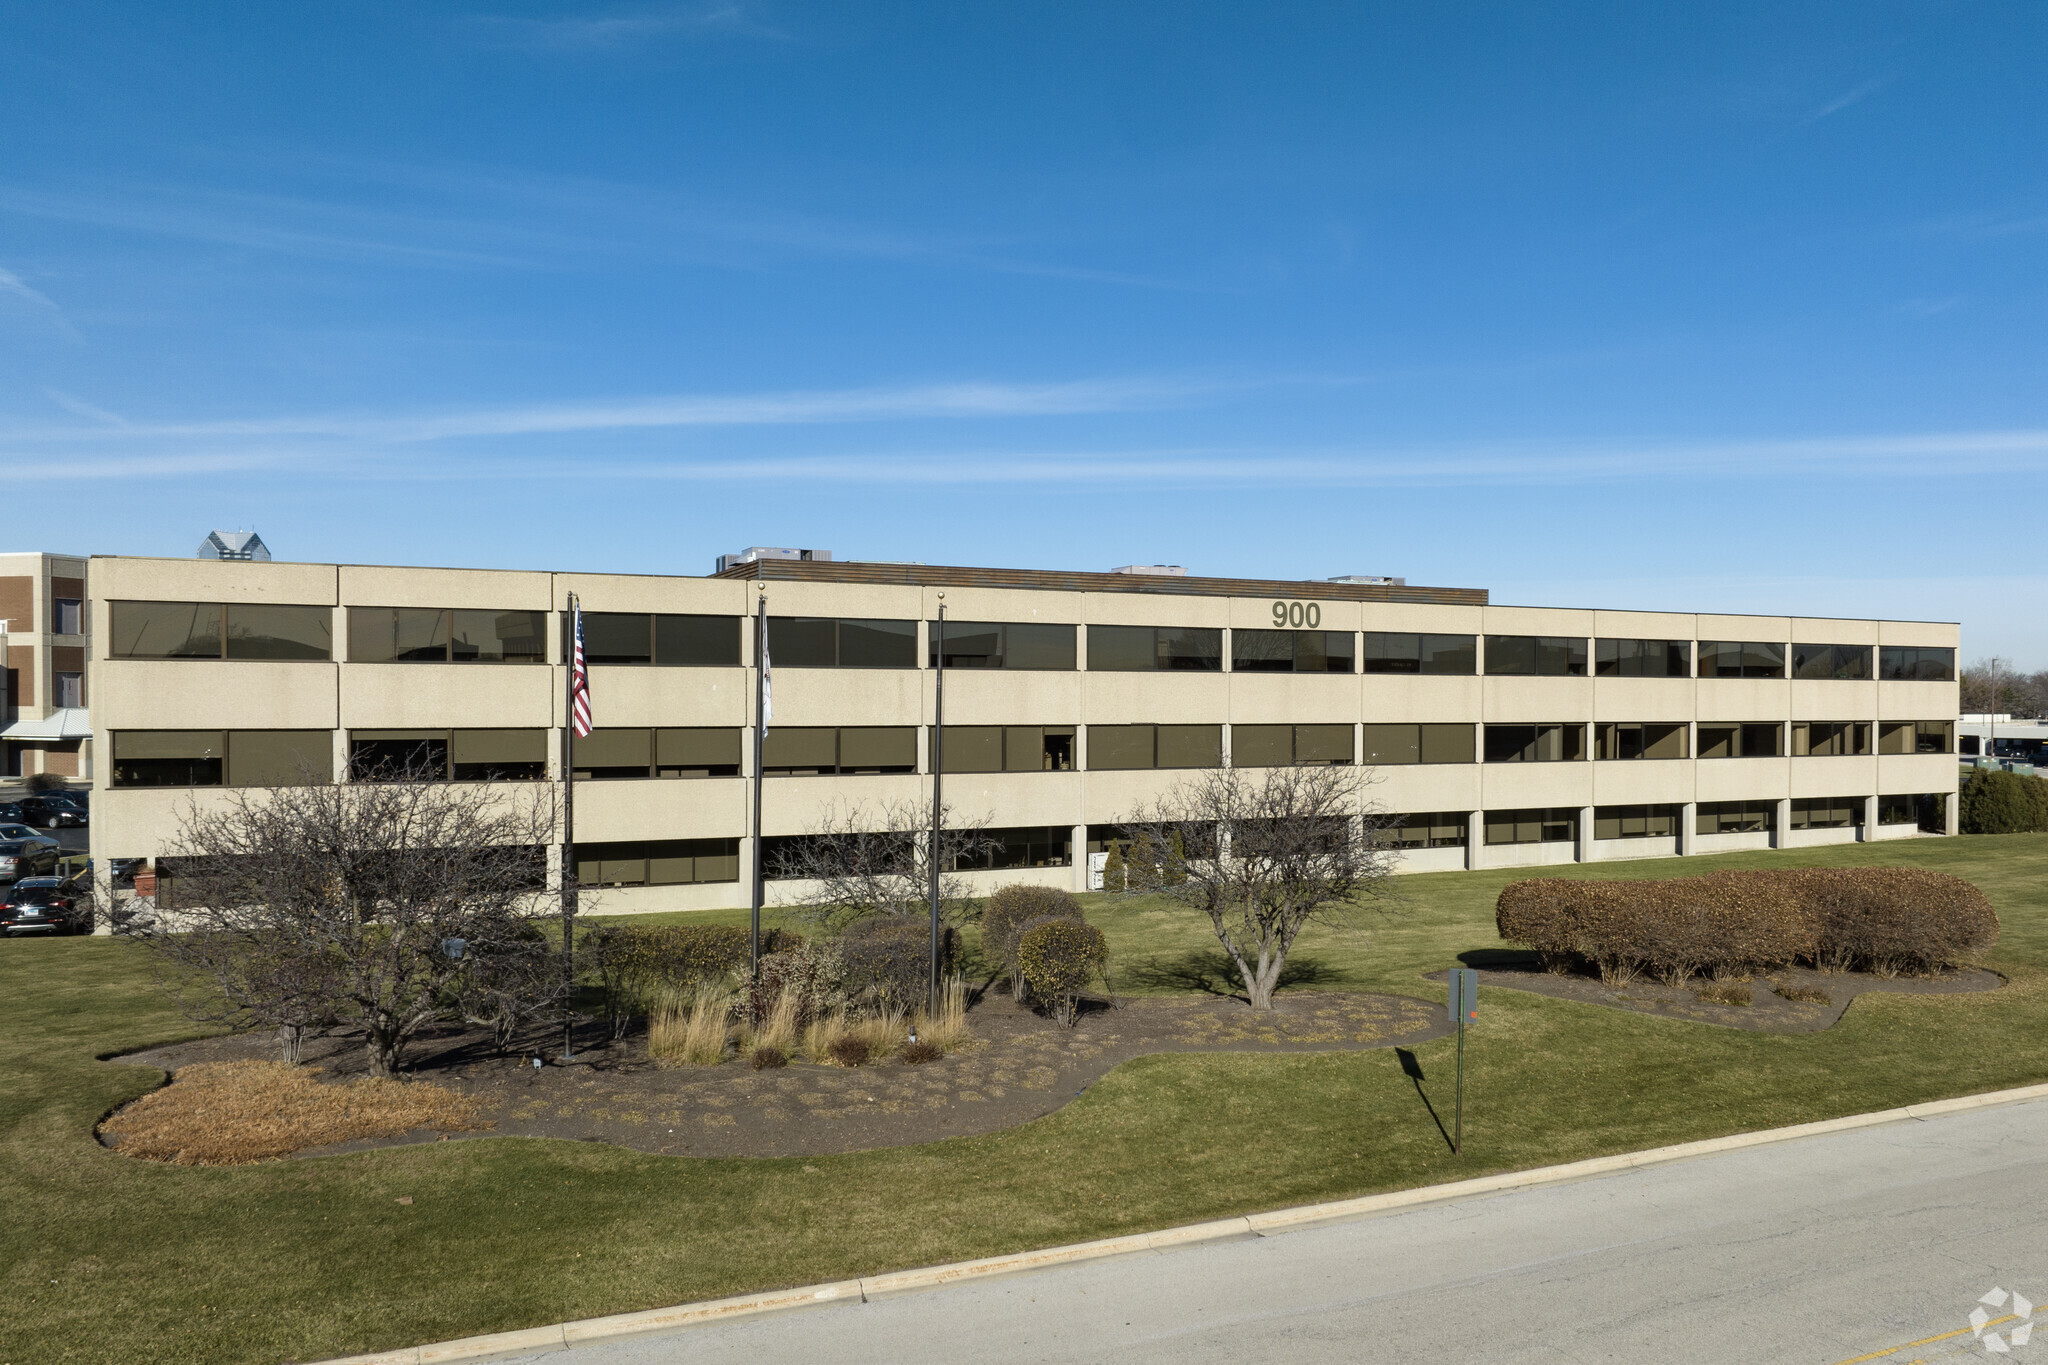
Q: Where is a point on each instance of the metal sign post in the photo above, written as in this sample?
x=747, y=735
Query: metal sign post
x=1464, y=1006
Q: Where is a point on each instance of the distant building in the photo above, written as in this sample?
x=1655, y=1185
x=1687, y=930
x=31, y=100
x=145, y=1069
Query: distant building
x=245, y=545
x=44, y=634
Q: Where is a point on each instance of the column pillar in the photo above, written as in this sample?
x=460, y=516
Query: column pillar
x=1688, y=828
x=1585, y=848
x=1869, y=818
x=1475, y=837
x=1080, y=847
x=1949, y=814
x=1784, y=823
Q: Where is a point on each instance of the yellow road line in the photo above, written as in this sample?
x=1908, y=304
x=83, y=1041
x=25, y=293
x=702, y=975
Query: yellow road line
x=1928, y=1341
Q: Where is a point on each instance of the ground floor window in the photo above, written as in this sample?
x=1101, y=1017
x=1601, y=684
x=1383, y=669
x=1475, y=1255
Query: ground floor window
x=1827, y=812
x=1928, y=810
x=1552, y=825
x=1736, y=817
x=658, y=862
x=1027, y=846
x=1431, y=829
x=1636, y=822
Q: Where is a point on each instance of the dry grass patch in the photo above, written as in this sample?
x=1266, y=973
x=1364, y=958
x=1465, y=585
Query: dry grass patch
x=234, y=1113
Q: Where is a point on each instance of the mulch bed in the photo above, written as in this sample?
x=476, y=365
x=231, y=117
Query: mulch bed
x=1768, y=1012
x=1019, y=1067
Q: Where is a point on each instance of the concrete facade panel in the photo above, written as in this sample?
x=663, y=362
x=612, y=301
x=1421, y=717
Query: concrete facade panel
x=1917, y=700
x=488, y=589
x=626, y=695
x=1424, y=787
x=1726, y=699
x=1389, y=698
x=448, y=696
x=1517, y=786
x=1817, y=700
x=213, y=580
x=1530, y=701
x=1742, y=779
x=1156, y=698
x=976, y=696
x=657, y=808
x=200, y=694
x=845, y=696
x=1297, y=698
x=1665, y=699
x=1643, y=781
x=1832, y=777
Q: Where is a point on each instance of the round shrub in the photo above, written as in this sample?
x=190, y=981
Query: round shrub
x=2004, y=803
x=886, y=958
x=1888, y=920
x=769, y=1058
x=921, y=1051
x=1004, y=918
x=1060, y=957
x=849, y=1050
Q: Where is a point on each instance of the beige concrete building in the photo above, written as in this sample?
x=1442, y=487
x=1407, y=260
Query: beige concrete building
x=45, y=645
x=1506, y=736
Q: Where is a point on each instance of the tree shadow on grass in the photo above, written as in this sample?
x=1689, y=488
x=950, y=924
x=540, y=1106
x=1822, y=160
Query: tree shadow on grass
x=1211, y=972
x=1411, y=1067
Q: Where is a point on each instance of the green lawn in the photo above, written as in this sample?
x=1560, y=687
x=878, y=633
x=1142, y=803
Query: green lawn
x=298, y=1260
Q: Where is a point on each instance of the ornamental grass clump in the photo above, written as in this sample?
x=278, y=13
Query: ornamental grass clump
x=640, y=966
x=1061, y=958
x=1005, y=916
x=947, y=1027
x=691, y=1029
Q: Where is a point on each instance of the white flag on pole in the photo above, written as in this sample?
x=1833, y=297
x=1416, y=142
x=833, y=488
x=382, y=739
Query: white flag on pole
x=767, y=684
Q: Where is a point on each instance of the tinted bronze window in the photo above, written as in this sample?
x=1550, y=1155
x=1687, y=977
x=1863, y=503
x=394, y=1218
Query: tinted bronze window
x=1535, y=743
x=1032, y=846
x=1552, y=825
x=165, y=630
x=1148, y=649
x=698, y=751
x=1842, y=663
x=658, y=862
x=1190, y=746
x=1445, y=655
x=168, y=758
x=498, y=637
x=1896, y=663
x=397, y=635
x=1626, y=740
x=398, y=755
x=1753, y=739
x=1120, y=746
x=1834, y=738
x=1916, y=737
x=1827, y=812
x=1636, y=822
x=612, y=637
x=279, y=758
x=1642, y=658
x=697, y=641
x=841, y=642
x=1736, y=817
x=1741, y=659
x=1000, y=644
x=1535, y=656
x=1434, y=829
x=1292, y=651
x=610, y=754
x=257, y=631
x=824, y=751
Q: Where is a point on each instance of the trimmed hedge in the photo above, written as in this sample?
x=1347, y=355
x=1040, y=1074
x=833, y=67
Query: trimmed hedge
x=1004, y=919
x=2004, y=803
x=1884, y=920
x=887, y=957
x=1060, y=957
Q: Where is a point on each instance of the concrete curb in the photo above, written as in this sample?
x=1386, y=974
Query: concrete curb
x=561, y=1336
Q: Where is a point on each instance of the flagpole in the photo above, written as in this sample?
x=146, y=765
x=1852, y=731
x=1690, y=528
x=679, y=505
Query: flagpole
x=938, y=805
x=760, y=722
x=569, y=833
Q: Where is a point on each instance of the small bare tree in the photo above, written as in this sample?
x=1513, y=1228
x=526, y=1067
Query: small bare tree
x=1262, y=853
x=375, y=905
x=876, y=860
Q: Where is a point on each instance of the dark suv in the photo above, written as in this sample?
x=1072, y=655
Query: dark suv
x=44, y=905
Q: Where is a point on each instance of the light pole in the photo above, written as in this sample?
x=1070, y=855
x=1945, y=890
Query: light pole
x=760, y=729
x=938, y=803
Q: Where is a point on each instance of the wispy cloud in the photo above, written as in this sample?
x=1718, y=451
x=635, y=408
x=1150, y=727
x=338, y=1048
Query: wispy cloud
x=595, y=33
x=40, y=304
x=1848, y=98
x=78, y=407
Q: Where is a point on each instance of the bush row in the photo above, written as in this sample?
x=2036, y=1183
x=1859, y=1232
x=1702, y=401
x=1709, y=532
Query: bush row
x=2004, y=803
x=1884, y=920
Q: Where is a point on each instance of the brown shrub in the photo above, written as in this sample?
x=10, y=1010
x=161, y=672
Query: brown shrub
x=639, y=964
x=1005, y=916
x=1726, y=993
x=850, y=1050
x=234, y=1113
x=1803, y=995
x=921, y=1051
x=1888, y=920
x=769, y=1059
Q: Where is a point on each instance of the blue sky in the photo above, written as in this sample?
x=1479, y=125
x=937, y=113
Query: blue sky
x=1719, y=308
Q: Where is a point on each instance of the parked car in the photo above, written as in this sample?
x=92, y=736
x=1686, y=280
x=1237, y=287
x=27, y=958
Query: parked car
x=50, y=811
x=45, y=905
x=12, y=831
x=25, y=858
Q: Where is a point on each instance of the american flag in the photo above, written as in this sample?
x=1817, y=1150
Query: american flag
x=579, y=686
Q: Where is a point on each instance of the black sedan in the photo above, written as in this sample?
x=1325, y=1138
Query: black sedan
x=44, y=905
x=50, y=812
x=24, y=858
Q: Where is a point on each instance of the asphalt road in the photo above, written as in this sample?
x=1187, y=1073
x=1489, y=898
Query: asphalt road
x=1868, y=1245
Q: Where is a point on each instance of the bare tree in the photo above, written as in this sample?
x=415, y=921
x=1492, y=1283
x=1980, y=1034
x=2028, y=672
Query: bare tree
x=1988, y=686
x=369, y=904
x=865, y=860
x=1263, y=854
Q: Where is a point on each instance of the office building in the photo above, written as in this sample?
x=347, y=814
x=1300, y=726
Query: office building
x=1505, y=736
